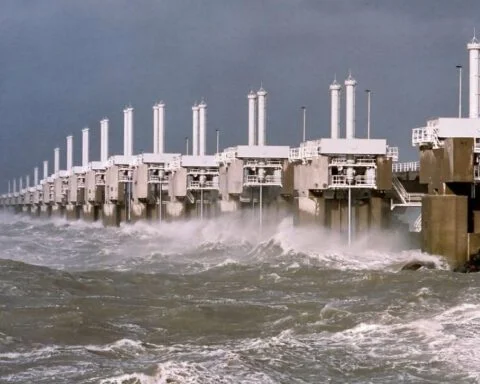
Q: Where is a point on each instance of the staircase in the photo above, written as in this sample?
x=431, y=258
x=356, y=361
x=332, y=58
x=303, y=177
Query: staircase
x=190, y=197
x=405, y=198
x=417, y=225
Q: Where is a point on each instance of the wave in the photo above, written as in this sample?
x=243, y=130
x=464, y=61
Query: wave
x=196, y=245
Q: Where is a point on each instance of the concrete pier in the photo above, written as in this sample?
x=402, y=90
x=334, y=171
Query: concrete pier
x=449, y=168
x=193, y=187
x=327, y=170
x=250, y=176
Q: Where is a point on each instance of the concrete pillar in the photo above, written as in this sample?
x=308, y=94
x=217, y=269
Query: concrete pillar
x=379, y=213
x=111, y=215
x=362, y=216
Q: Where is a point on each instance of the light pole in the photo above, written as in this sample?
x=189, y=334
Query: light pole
x=186, y=146
x=218, y=139
x=304, y=109
x=459, y=67
x=369, y=94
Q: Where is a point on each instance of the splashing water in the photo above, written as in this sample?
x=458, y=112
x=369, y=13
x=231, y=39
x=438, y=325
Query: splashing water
x=217, y=301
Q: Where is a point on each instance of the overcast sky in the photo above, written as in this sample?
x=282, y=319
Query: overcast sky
x=64, y=65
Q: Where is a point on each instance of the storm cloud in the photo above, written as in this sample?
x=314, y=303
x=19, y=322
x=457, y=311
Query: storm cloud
x=64, y=65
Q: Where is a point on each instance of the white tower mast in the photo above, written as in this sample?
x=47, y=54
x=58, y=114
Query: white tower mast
x=202, y=145
x=161, y=127
x=35, y=176
x=85, y=149
x=69, y=152
x=335, y=89
x=128, y=131
x=262, y=116
x=56, y=160
x=252, y=118
x=350, y=84
x=195, y=122
x=104, y=140
x=155, y=128
x=474, y=79
x=45, y=170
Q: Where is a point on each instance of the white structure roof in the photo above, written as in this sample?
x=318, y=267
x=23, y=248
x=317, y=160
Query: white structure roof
x=199, y=161
x=262, y=152
x=156, y=158
x=455, y=127
x=120, y=160
x=353, y=146
x=97, y=165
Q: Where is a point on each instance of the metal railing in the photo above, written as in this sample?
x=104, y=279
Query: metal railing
x=251, y=180
x=125, y=175
x=227, y=156
x=406, y=198
x=174, y=164
x=294, y=154
x=359, y=181
x=392, y=152
x=304, y=152
x=263, y=164
x=338, y=161
x=156, y=179
x=99, y=178
x=417, y=225
x=476, y=173
x=365, y=162
x=205, y=185
x=411, y=166
x=190, y=197
x=476, y=148
x=425, y=136
x=202, y=171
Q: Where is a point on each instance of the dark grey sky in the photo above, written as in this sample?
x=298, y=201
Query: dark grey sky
x=66, y=64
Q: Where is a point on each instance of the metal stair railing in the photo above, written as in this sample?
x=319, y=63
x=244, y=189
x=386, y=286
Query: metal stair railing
x=190, y=197
x=406, y=199
x=417, y=225
x=400, y=190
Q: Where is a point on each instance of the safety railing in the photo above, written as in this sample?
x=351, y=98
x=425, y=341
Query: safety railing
x=365, y=162
x=190, y=197
x=425, y=136
x=338, y=161
x=411, y=166
x=359, y=181
x=417, y=225
x=263, y=164
x=251, y=180
x=99, y=178
x=406, y=198
x=476, y=148
x=304, y=152
x=209, y=184
x=202, y=171
x=294, y=154
x=365, y=181
x=338, y=181
x=392, y=152
x=476, y=172
x=174, y=164
x=81, y=182
x=125, y=175
x=227, y=156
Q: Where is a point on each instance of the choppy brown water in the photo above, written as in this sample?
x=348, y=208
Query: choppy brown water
x=213, y=302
